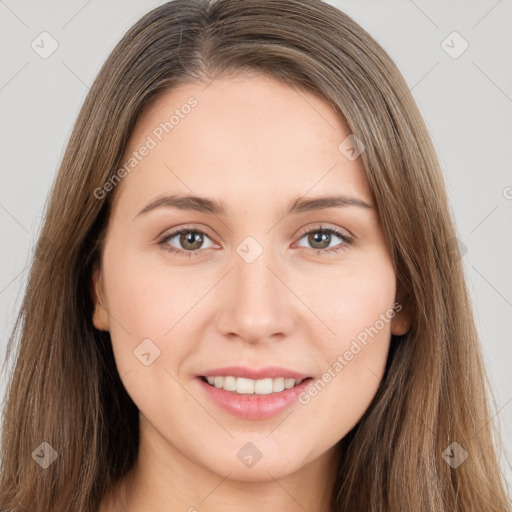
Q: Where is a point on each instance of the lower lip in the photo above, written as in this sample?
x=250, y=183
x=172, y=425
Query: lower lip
x=255, y=407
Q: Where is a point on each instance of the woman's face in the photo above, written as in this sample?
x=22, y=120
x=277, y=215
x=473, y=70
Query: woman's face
x=260, y=291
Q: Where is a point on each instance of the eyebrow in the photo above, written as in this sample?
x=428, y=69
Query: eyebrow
x=218, y=208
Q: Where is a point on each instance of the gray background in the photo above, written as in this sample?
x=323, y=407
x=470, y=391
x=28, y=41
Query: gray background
x=466, y=102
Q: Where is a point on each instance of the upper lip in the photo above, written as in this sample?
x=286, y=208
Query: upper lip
x=268, y=372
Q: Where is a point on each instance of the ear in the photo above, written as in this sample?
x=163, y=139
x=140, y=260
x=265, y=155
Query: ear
x=402, y=321
x=100, y=317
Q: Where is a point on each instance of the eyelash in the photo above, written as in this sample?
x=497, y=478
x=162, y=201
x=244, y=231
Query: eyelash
x=165, y=246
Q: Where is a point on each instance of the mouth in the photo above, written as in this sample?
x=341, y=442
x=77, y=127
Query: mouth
x=253, y=399
x=245, y=386
x=253, y=393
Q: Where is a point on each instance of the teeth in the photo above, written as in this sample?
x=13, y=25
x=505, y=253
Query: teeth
x=229, y=383
x=245, y=386
x=278, y=384
x=289, y=383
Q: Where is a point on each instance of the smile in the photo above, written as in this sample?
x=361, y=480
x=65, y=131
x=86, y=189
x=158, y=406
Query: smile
x=246, y=386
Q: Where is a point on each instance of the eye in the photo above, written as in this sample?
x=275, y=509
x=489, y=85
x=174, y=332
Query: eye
x=190, y=239
x=321, y=239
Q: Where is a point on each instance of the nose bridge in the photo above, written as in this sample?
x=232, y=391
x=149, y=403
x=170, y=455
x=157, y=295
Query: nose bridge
x=255, y=304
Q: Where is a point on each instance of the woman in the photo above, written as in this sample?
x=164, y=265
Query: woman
x=246, y=293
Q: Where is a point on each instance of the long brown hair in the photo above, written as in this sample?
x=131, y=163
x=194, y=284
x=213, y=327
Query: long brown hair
x=64, y=388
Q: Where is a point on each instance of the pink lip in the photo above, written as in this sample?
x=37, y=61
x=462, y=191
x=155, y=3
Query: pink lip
x=254, y=407
x=269, y=372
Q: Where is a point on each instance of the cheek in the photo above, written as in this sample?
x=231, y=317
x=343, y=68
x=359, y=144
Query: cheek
x=150, y=329
x=357, y=306
x=147, y=294
x=149, y=304
x=363, y=309
x=352, y=299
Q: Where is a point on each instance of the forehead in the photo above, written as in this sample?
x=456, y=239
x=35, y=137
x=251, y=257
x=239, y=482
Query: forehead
x=247, y=133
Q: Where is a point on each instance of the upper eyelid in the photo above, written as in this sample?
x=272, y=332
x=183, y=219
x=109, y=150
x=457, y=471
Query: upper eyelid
x=174, y=231
x=323, y=227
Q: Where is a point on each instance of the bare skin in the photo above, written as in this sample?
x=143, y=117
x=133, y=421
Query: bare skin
x=256, y=145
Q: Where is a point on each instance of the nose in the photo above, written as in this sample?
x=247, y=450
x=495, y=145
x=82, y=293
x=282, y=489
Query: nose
x=255, y=304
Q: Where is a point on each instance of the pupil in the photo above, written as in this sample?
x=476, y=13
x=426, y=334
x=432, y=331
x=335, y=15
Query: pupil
x=193, y=238
x=318, y=237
